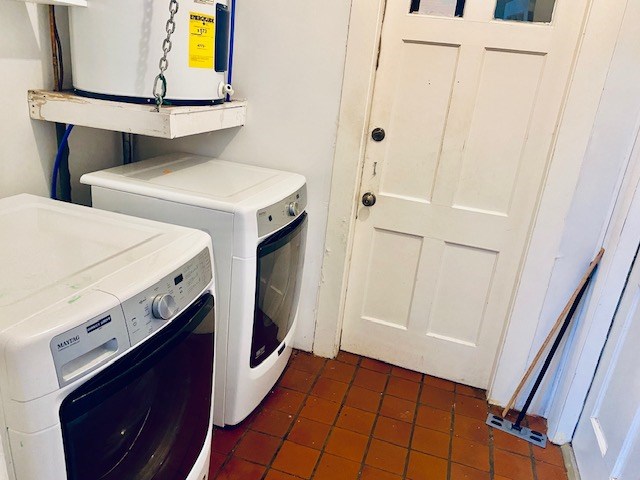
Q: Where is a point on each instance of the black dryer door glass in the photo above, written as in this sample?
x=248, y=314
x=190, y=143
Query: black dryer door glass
x=279, y=272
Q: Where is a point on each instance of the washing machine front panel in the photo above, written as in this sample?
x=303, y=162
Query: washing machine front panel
x=46, y=359
x=147, y=416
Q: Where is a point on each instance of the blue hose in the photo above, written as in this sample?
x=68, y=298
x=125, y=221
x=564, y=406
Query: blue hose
x=232, y=35
x=56, y=164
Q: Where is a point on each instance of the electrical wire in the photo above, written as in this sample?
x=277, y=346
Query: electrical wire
x=54, y=47
x=59, y=51
x=56, y=163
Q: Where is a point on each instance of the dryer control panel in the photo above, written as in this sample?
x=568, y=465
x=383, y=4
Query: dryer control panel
x=276, y=216
x=149, y=310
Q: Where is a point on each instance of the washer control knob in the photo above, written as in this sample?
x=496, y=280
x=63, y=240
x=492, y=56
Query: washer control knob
x=164, y=306
x=293, y=209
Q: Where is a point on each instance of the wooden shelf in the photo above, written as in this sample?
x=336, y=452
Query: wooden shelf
x=65, y=3
x=170, y=122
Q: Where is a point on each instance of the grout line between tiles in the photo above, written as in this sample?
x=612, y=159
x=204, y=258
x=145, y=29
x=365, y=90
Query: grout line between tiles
x=533, y=461
x=413, y=428
x=491, y=457
x=452, y=410
x=375, y=420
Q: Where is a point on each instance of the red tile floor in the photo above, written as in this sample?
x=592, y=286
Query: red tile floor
x=356, y=418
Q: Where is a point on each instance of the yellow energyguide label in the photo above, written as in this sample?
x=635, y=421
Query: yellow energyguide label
x=202, y=28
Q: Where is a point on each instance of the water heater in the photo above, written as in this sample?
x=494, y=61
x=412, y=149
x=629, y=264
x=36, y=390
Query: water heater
x=116, y=47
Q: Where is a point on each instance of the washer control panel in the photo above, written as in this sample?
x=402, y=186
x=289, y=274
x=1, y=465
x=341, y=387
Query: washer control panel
x=276, y=216
x=149, y=310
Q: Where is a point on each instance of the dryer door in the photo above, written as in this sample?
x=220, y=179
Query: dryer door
x=146, y=417
x=279, y=272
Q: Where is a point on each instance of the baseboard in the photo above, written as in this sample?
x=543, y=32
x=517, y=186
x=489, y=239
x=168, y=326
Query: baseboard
x=570, y=462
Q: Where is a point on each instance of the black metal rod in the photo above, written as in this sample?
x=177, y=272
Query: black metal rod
x=554, y=347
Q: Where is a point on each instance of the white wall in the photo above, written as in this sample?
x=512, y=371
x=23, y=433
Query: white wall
x=28, y=147
x=594, y=144
x=289, y=62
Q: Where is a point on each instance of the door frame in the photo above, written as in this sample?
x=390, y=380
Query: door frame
x=595, y=48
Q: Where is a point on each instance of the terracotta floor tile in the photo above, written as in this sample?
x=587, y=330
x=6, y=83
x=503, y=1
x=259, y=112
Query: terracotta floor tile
x=471, y=454
x=439, y=383
x=431, y=442
x=277, y=475
x=273, y=422
x=363, y=399
x=283, y=399
x=309, y=433
x=307, y=362
x=347, y=444
x=329, y=389
x=340, y=371
x=546, y=471
x=320, y=410
x=370, y=380
x=387, y=457
x=434, y=418
x=215, y=462
x=537, y=423
x=512, y=466
x=471, y=407
x=462, y=472
x=332, y=467
x=406, y=374
x=398, y=408
x=471, y=391
x=437, y=397
x=225, y=439
x=297, y=380
x=237, y=468
x=370, y=473
x=257, y=447
x=504, y=441
x=426, y=467
x=399, y=387
x=346, y=357
x=471, y=429
x=393, y=431
x=552, y=454
x=375, y=365
x=355, y=420
x=296, y=460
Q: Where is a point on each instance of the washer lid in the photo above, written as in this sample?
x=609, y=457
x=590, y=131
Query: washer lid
x=200, y=181
x=53, y=250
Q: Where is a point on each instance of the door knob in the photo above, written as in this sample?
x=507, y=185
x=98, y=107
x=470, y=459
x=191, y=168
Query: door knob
x=378, y=134
x=368, y=199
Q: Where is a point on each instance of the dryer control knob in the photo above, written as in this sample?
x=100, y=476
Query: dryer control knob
x=293, y=209
x=164, y=306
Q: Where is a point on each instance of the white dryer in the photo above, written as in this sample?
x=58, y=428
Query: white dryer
x=106, y=345
x=257, y=220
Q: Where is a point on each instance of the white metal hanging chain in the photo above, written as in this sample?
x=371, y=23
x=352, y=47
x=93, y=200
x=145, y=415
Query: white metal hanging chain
x=160, y=83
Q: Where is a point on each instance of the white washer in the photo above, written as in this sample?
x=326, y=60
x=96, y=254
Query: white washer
x=106, y=345
x=257, y=220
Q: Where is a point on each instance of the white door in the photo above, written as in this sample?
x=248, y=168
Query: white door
x=470, y=107
x=607, y=440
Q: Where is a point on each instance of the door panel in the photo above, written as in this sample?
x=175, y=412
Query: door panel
x=607, y=440
x=470, y=107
